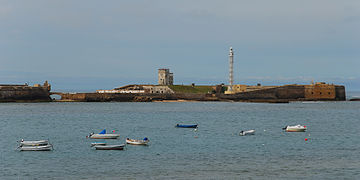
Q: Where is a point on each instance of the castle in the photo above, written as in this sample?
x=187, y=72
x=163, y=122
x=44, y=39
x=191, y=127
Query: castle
x=24, y=92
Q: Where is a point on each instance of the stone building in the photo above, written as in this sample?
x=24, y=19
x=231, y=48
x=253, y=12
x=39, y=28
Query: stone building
x=320, y=90
x=159, y=89
x=165, y=77
x=240, y=88
x=138, y=89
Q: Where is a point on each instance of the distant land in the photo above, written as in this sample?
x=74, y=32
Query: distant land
x=66, y=84
x=165, y=90
x=91, y=84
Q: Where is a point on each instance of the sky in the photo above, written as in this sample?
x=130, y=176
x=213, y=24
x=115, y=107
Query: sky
x=85, y=45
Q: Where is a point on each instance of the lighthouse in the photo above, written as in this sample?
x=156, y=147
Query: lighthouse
x=231, y=69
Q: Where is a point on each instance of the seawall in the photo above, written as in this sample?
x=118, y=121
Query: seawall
x=275, y=95
x=129, y=97
x=24, y=93
x=291, y=93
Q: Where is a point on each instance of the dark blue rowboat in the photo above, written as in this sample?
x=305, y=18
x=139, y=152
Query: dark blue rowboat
x=186, y=125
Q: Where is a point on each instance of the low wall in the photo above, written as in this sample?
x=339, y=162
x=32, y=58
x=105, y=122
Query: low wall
x=277, y=93
x=289, y=93
x=127, y=97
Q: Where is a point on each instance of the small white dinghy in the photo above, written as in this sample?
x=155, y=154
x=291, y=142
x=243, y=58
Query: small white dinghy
x=34, y=143
x=245, y=133
x=297, y=128
x=103, y=135
x=98, y=144
x=110, y=147
x=145, y=141
x=48, y=147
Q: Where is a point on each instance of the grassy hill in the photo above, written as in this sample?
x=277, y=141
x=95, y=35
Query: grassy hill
x=191, y=89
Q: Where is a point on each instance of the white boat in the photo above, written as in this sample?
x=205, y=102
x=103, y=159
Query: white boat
x=98, y=144
x=110, y=147
x=245, y=133
x=34, y=143
x=296, y=128
x=145, y=141
x=103, y=135
x=48, y=147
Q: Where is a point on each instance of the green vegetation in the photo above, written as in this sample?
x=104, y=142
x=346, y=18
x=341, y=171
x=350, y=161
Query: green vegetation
x=191, y=89
x=223, y=89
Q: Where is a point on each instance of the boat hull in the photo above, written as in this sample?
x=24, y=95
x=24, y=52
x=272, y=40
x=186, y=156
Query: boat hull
x=98, y=144
x=104, y=136
x=36, y=148
x=186, y=126
x=137, y=142
x=246, y=133
x=110, y=147
x=34, y=143
x=297, y=128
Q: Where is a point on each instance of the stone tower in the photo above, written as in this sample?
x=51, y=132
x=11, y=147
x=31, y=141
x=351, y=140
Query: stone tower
x=165, y=77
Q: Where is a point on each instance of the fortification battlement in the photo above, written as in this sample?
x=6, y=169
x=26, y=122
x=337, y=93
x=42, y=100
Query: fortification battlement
x=22, y=87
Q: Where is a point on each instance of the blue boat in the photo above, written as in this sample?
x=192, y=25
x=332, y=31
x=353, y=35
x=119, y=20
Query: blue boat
x=186, y=125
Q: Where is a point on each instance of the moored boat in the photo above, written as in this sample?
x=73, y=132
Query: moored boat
x=296, y=128
x=103, y=135
x=98, y=144
x=186, y=125
x=110, y=147
x=145, y=141
x=47, y=147
x=245, y=133
x=34, y=143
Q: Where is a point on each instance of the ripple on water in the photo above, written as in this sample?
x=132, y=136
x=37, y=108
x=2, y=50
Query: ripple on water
x=217, y=152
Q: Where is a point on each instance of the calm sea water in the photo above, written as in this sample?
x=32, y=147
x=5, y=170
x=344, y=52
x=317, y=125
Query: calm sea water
x=215, y=151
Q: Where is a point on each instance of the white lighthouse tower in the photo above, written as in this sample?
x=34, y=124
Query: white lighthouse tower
x=231, y=69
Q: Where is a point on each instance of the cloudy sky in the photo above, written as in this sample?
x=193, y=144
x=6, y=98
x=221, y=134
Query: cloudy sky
x=88, y=44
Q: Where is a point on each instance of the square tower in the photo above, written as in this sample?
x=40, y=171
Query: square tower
x=165, y=77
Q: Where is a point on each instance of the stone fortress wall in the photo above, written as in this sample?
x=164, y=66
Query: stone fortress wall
x=287, y=93
x=16, y=93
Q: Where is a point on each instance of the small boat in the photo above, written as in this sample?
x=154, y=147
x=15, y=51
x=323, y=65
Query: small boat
x=34, y=143
x=48, y=147
x=186, y=125
x=145, y=141
x=103, y=135
x=110, y=147
x=98, y=144
x=297, y=128
x=245, y=133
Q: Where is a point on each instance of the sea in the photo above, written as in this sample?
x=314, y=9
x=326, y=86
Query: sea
x=329, y=149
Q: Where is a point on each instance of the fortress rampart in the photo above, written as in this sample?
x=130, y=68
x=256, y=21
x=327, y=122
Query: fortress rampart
x=149, y=93
x=25, y=93
x=317, y=92
x=285, y=93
